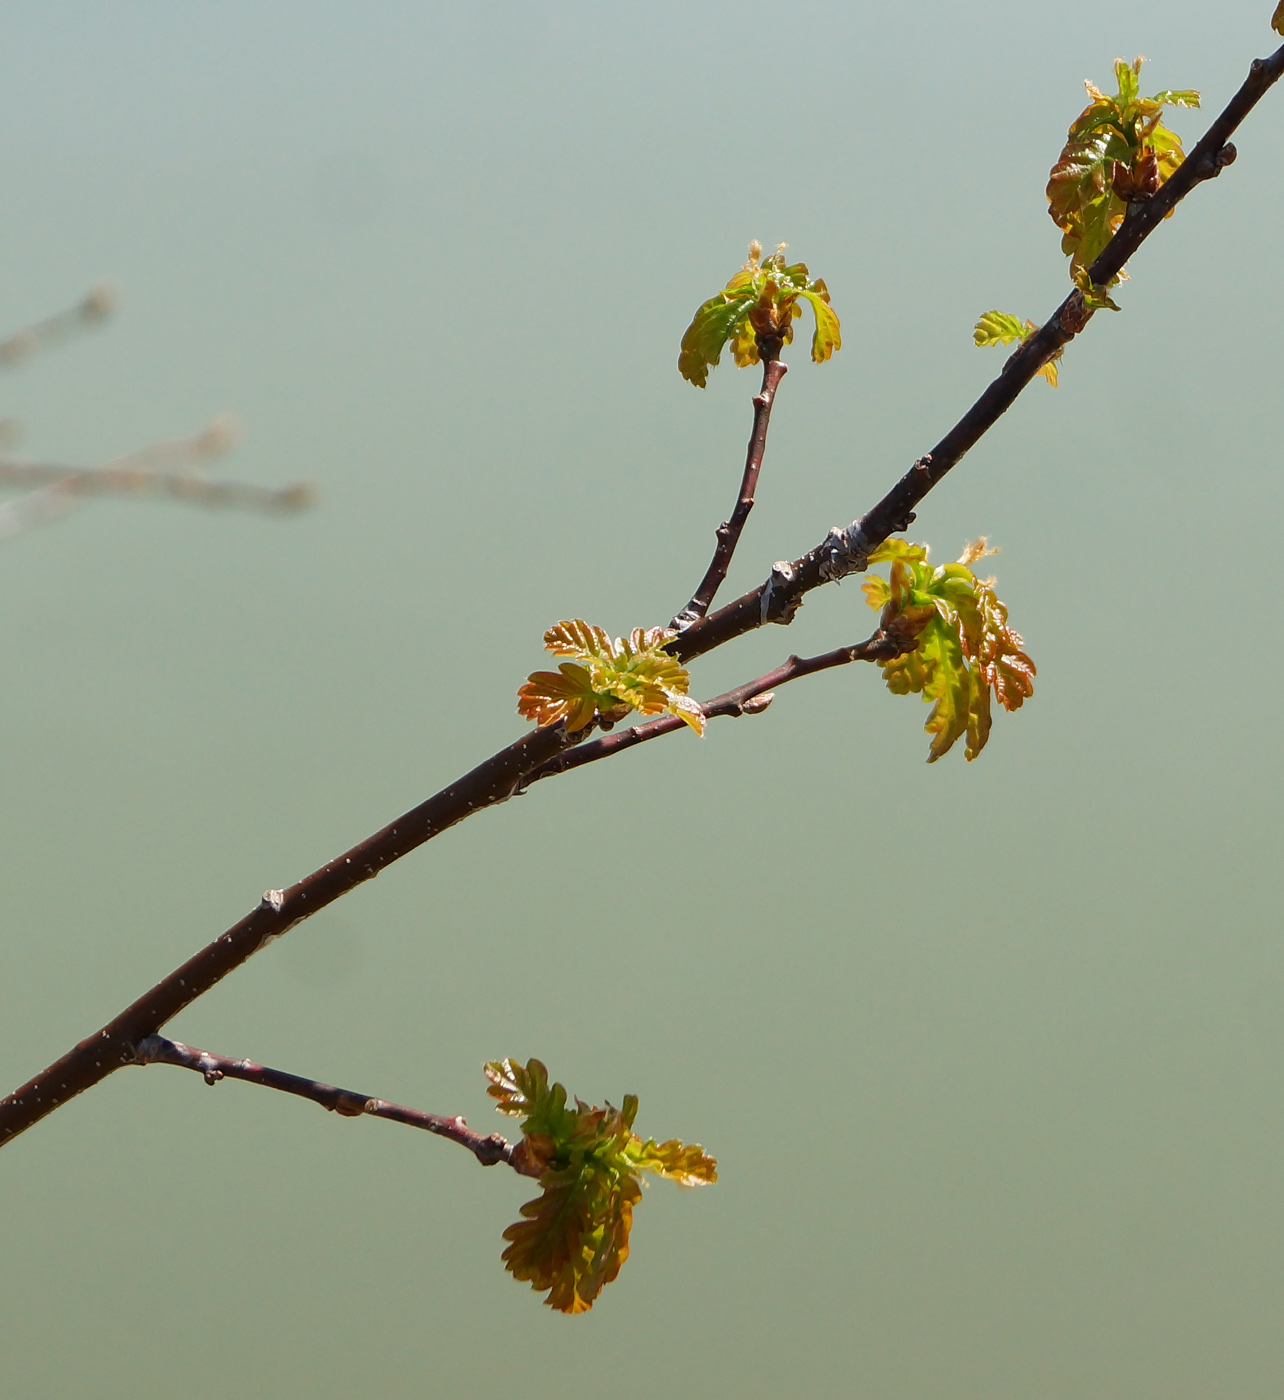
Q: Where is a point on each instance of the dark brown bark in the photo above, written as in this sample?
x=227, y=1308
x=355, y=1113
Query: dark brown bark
x=773, y=371
x=116, y=1043
x=741, y=701
x=487, y=1148
x=844, y=551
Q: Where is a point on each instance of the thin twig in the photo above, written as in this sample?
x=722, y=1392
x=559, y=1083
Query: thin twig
x=752, y=698
x=774, y=370
x=846, y=551
x=501, y=775
x=487, y=1148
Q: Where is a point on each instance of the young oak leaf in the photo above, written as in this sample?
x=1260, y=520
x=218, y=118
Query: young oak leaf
x=573, y=1238
x=1117, y=151
x=759, y=303
x=999, y=328
x=965, y=648
x=608, y=678
x=686, y=1163
x=1277, y=19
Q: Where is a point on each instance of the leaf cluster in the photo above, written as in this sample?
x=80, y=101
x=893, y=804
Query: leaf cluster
x=761, y=302
x=1000, y=328
x=574, y=1236
x=965, y=647
x=1117, y=151
x=608, y=678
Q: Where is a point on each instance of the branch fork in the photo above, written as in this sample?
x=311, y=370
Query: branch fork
x=550, y=750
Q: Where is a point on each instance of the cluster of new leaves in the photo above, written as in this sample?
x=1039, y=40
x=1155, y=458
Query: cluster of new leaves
x=574, y=1237
x=608, y=678
x=965, y=647
x=1117, y=151
x=759, y=303
x=998, y=328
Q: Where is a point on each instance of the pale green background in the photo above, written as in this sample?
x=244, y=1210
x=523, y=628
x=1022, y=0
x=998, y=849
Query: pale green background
x=990, y=1054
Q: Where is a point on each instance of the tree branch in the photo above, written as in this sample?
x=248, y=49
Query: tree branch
x=844, y=551
x=159, y=469
x=774, y=370
x=488, y=1149
x=95, y=306
x=116, y=1043
x=752, y=698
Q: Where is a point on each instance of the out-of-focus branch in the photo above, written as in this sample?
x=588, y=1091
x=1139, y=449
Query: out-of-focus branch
x=487, y=1148
x=92, y=309
x=162, y=469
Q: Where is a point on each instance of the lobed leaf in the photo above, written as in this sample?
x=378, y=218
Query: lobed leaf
x=565, y=694
x=573, y=1237
x=1117, y=151
x=759, y=302
x=686, y=1163
x=965, y=650
x=608, y=679
x=714, y=323
x=999, y=328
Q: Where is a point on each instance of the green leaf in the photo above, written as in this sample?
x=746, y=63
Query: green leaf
x=1095, y=297
x=608, y=679
x=686, y=1163
x=573, y=1237
x=964, y=649
x=1117, y=151
x=999, y=328
x=759, y=303
x=828, y=333
x=716, y=322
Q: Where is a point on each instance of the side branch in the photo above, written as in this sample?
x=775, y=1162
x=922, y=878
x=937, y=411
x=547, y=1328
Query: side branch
x=844, y=551
x=773, y=371
x=488, y=1149
x=847, y=551
x=752, y=698
x=116, y=1044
